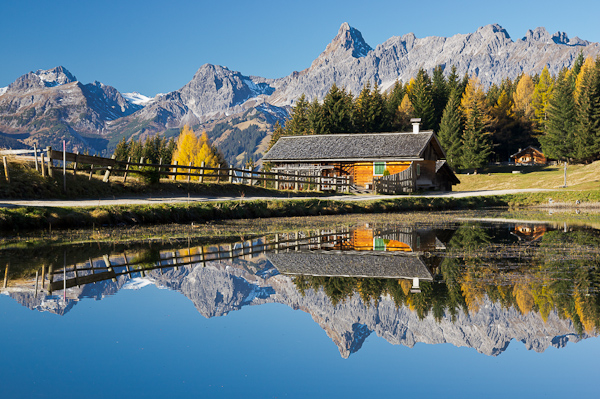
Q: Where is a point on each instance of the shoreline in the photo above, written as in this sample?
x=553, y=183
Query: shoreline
x=202, y=210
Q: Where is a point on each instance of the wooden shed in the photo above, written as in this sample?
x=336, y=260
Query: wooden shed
x=529, y=156
x=365, y=156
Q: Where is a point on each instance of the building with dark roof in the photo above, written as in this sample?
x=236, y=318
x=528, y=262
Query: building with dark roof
x=529, y=156
x=364, y=157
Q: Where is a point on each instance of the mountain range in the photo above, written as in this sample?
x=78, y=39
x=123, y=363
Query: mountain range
x=238, y=111
x=221, y=287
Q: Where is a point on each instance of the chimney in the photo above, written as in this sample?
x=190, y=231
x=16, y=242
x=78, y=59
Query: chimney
x=415, y=122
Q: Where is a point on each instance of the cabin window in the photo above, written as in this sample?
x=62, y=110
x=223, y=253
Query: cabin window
x=378, y=244
x=378, y=168
x=418, y=170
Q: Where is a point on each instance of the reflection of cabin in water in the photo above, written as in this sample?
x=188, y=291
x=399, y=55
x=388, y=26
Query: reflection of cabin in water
x=529, y=156
x=530, y=232
x=364, y=156
x=366, y=252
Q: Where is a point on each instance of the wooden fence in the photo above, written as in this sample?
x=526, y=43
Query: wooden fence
x=403, y=182
x=51, y=277
x=81, y=163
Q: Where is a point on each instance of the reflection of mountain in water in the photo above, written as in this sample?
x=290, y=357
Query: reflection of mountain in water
x=224, y=286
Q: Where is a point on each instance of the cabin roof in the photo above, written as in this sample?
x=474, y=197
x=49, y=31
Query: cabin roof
x=353, y=147
x=443, y=166
x=352, y=264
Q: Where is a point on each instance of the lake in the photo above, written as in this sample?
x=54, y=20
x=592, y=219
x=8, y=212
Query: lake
x=458, y=305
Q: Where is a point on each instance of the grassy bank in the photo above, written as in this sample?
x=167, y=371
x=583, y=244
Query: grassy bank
x=579, y=177
x=12, y=219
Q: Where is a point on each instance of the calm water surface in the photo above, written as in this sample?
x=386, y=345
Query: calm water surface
x=456, y=309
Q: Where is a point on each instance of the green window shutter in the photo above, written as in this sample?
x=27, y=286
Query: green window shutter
x=378, y=244
x=378, y=168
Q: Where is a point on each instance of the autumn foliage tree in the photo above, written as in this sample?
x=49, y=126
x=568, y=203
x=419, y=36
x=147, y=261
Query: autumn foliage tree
x=193, y=151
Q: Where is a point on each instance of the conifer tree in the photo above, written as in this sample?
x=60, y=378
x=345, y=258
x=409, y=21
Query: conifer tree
x=541, y=98
x=362, y=106
x=503, y=127
x=404, y=114
x=316, y=123
x=393, y=102
x=439, y=92
x=474, y=98
x=422, y=100
x=522, y=98
x=475, y=144
x=297, y=125
x=587, y=130
x=450, y=131
x=337, y=111
x=557, y=142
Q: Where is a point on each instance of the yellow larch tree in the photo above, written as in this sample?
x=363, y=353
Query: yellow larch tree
x=587, y=66
x=474, y=99
x=522, y=98
x=194, y=150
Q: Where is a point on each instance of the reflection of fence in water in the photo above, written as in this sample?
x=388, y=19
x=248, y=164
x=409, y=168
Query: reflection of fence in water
x=110, y=267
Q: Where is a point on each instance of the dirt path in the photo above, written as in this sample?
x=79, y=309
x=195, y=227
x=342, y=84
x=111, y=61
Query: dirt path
x=171, y=199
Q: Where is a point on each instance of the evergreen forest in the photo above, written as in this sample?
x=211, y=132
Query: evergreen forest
x=558, y=114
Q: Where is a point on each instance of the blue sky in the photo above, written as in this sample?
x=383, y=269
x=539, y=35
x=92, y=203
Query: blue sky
x=156, y=46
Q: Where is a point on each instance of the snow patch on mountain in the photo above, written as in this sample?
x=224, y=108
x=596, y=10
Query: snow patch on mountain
x=3, y=90
x=137, y=283
x=258, y=89
x=138, y=98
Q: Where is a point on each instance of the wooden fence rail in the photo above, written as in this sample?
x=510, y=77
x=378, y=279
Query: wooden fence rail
x=90, y=164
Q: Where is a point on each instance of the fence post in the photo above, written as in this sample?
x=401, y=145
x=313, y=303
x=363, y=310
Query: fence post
x=35, y=157
x=189, y=172
x=108, y=170
x=202, y=172
x=277, y=181
x=231, y=175
x=50, y=161
x=91, y=171
x=296, y=180
x=175, y=170
x=126, y=169
x=43, y=165
x=75, y=164
x=6, y=174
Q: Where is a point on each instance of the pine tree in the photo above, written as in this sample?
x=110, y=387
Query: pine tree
x=315, y=118
x=337, y=111
x=439, y=92
x=475, y=144
x=393, y=102
x=450, y=131
x=277, y=133
x=297, y=125
x=362, y=105
x=586, y=146
x=558, y=141
x=377, y=114
x=422, y=100
x=122, y=150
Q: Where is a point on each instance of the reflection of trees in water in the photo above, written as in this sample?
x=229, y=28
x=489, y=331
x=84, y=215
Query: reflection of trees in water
x=562, y=274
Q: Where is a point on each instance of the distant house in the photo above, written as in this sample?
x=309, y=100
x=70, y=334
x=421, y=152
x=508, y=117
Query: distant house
x=529, y=156
x=365, y=156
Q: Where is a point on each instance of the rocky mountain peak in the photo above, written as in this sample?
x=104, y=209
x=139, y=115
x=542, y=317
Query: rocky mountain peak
x=55, y=76
x=493, y=30
x=539, y=34
x=347, y=42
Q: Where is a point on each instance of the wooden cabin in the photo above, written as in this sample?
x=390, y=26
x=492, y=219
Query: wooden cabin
x=529, y=156
x=365, y=156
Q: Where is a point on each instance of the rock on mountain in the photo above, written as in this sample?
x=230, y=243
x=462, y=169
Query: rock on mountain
x=47, y=106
